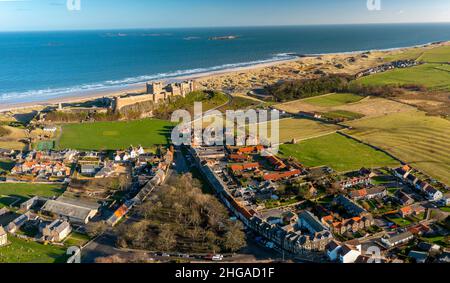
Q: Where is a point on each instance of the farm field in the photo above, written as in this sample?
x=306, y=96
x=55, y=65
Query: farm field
x=338, y=152
x=22, y=251
x=439, y=54
x=368, y=107
x=333, y=99
x=115, y=135
x=415, y=138
x=433, y=76
x=26, y=191
x=300, y=129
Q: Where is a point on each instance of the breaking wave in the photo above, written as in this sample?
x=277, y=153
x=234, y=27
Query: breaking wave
x=42, y=94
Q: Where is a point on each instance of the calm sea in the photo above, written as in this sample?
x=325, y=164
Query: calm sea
x=42, y=65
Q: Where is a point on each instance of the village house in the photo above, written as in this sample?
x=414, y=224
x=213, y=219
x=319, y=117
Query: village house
x=369, y=193
x=411, y=210
x=3, y=237
x=348, y=254
x=355, y=181
x=277, y=163
x=404, y=198
x=332, y=250
x=42, y=169
x=56, y=231
x=282, y=175
x=250, y=149
x=27, y=205
x=310, y=222
x=352, y=225
x=350, y=206
x=418, y=256
x=397, y=239
x=433, y=194
x=14, y=225
x=342, y=253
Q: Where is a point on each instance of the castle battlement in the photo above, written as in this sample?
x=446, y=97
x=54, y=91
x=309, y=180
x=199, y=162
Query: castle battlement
x=156, y=92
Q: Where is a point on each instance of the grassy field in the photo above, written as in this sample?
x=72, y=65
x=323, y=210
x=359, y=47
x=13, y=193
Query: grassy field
x=115, y=135
x=435, y=55
x=241, y=103
x=422, y=141
x=22, y=251
x=342, y=114
x=433, y=76
x=76, y=239
x=338, y=152
x=300, y=129
x=333, y=99
x=25, y=191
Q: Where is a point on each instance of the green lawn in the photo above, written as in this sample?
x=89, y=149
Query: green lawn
x=115, y=135
x=26, y=191
x=446, y=209
x=338, y=152
x=22, y=251
x=433, y=76
x=401, y=222
x=76, y=239
x=333, y=99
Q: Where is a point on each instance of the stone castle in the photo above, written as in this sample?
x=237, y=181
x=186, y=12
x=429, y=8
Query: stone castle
x=156, y=92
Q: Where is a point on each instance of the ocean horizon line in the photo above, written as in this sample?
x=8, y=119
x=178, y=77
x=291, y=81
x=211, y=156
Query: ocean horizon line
x=220, y=27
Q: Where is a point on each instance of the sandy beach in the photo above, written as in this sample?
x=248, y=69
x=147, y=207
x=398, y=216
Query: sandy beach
x=81, y=96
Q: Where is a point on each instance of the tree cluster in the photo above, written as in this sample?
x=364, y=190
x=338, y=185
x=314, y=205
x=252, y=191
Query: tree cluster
x=179, y=216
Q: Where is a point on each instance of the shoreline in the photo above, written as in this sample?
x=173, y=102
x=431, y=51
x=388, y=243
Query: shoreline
x=82, y=96
x=113, y=91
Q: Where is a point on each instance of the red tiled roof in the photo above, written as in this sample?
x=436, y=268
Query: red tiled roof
x=279, y=176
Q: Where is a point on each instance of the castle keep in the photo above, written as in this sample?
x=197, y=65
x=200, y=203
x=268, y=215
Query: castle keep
x=156, y=92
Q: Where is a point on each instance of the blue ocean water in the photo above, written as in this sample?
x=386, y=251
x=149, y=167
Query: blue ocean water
x=42, y=65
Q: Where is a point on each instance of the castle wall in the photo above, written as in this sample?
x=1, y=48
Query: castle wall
x=156, y=93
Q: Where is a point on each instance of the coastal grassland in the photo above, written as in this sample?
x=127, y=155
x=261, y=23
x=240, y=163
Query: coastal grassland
x=420, y=140
x=25, y=191
x=432, y=76
x=301, y=129
x=439, y=54
x=338, y=152
x=115, y=135
x=22, y=251
x=10, y=137
x=333, y=99
x=436, y=55
x=209, y=99
x=241, y=103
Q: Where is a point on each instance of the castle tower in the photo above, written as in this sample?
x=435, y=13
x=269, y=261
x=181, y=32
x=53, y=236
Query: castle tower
x=154, y=88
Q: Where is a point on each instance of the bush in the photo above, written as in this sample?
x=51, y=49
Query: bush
x=299, y=89
x=4, y=131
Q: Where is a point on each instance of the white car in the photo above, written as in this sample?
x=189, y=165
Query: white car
x=217, y=258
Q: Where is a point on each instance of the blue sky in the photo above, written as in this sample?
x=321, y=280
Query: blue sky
x=102, y=14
